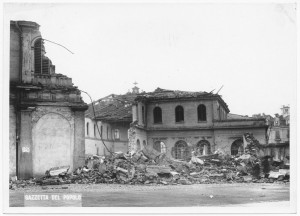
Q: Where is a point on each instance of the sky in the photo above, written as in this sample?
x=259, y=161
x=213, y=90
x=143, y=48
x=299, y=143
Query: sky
x=249, y=49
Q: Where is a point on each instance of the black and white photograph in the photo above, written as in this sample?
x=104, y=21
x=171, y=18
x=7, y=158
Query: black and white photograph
x=149, y=107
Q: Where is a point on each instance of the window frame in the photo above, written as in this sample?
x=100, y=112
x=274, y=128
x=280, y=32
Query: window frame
x=202, y=113
x=179, y=114
x=157, y=114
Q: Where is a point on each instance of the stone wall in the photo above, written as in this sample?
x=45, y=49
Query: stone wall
x=190, y=114
x=225, y=138
x=170, y=138
x=14, y=65
x=53, y=138
x=135, y=134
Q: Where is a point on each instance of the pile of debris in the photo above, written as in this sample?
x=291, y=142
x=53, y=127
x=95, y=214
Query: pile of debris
x=151, y=167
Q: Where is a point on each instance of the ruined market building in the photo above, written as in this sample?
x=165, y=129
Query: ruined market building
x=176, y=123
x=46, y=111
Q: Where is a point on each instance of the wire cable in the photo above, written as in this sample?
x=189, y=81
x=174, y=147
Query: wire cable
x=96, y=122
x=58, y=45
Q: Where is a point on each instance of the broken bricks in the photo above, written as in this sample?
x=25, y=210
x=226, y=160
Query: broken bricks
x=149, y=166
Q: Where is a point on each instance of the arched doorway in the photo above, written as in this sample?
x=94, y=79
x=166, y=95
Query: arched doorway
x=51, y=143
x=160, y=146
x=237, y=147
x=203, y=147
x=181, y=150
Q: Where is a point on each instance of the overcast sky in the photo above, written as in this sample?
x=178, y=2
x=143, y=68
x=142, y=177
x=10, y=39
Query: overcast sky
x=248, y=48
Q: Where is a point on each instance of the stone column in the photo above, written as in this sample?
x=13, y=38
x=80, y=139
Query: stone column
x=25, y=166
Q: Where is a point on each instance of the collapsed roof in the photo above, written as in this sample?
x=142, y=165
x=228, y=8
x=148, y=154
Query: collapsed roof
x=164, y=95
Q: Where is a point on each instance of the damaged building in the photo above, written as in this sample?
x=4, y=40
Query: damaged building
x=173, y=122
x=109, y=125
x=46, y=111
x=180, y=122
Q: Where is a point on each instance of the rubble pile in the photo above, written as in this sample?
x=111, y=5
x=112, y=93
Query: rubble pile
x=151, y=167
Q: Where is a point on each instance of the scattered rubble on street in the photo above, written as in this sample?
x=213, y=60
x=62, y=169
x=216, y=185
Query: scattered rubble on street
x=148, y=166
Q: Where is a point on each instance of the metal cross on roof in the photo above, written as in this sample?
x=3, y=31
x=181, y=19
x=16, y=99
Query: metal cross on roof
x=135, y=83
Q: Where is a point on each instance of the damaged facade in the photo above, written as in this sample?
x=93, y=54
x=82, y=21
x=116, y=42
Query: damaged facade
x=179, y=123
x=174, y=122
x=46, y=127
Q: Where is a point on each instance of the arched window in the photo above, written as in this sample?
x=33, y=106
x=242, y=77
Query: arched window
x=101, y=131
x=201, y=112
x=87, y=128
x=203, y=148
x=42, y=63
x=237, y=147
x=138, y=145
x=157, y=115
x=160, y=147
x=181, y=150
x=95, y=130
x=144, y=143
x=179, y=114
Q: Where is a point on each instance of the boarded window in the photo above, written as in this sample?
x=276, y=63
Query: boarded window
x=179, y=114
x=157, y=115
x=201, y=112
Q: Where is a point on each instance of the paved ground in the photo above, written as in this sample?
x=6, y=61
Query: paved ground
x=103, y=195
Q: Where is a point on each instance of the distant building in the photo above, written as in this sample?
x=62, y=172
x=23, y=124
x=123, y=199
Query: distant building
x=46, y=111
x=278, y=134
x=109, y=127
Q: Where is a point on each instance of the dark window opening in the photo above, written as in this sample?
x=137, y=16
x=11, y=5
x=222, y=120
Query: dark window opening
x=138, y=145
x=277, y=135
x=95, y=130
x=87, y=128
x=101, y=131
x=143, y=114
x=201, y=112
x=42, y=64
x=157, y=115
x=237, y=147
x=179, y=114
